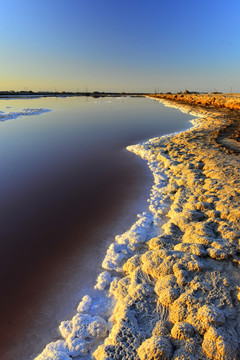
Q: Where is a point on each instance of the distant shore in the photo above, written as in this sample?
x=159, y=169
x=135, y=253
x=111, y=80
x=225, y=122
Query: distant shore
x=34, y=94
x=176, y=292
x=214, y=99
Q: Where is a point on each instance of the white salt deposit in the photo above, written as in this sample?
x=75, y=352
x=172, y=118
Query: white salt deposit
x=84, y=304
x=24, y=112
x=84, y=333
x=103, y=280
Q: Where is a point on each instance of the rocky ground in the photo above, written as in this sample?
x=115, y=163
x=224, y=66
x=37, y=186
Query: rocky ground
x=174, y=276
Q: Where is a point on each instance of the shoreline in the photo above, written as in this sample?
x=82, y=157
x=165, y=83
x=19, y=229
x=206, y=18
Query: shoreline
x=176, y=270
x=38, y=94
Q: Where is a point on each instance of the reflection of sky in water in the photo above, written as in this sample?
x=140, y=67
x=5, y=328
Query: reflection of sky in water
x=61, y=161
x=77, y=131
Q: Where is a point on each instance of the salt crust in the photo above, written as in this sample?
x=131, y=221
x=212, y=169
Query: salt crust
x=174, y=298
x=24, y=112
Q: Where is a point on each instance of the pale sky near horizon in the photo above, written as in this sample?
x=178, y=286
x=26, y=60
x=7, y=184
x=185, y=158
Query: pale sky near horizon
x=130, y=45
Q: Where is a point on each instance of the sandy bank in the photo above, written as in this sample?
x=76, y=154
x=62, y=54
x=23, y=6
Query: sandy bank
x=174, y=276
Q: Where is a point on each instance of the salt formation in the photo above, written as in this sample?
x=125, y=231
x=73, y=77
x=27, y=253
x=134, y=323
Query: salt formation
x=24, y=112
x=80, y=334
x=173, y=276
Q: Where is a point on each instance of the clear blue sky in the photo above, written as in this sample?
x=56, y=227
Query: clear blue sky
x=135, y=45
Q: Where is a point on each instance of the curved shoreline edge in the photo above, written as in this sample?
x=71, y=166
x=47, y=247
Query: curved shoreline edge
x=173, y=277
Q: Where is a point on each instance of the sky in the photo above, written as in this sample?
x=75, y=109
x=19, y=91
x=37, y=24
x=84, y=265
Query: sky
x=127, y=45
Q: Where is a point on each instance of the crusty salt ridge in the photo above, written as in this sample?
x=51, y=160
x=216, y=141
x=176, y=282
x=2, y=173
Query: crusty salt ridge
x=179, y=299
x=175, y=285
x=79, y=340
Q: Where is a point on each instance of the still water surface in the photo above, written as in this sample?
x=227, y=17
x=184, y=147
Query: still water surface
x=67, y=187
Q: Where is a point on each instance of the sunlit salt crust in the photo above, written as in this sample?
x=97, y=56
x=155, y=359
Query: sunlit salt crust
x=79, y=340
x=24, y=112
x=165, y=292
